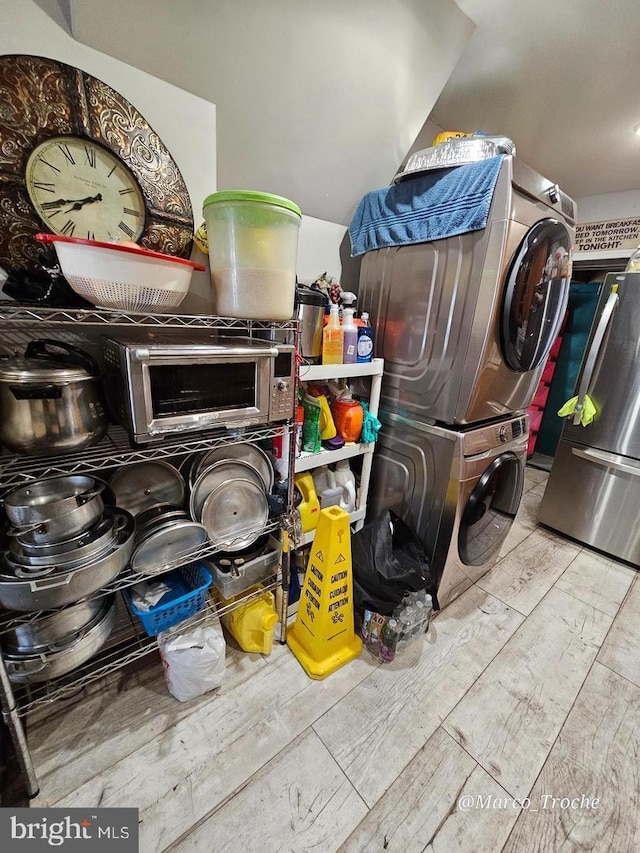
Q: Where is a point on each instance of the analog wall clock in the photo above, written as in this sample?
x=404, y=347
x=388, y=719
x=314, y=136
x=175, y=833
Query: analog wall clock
x=77, y=158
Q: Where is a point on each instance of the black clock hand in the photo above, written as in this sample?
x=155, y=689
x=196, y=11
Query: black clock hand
x=82, y=201
x=49, y=205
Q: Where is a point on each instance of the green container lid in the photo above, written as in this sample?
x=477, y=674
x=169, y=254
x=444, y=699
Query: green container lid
x=248, y=195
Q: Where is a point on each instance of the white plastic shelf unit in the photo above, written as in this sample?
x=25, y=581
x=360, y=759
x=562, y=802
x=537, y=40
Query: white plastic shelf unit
x=309, y=461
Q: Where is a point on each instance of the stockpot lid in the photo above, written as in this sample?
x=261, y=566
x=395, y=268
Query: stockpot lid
x=306, y=295
x=256, y=197
x=21, y=369
x=141, y=486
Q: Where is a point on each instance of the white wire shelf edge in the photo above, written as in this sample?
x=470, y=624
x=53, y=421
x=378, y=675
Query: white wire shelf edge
x=127, y=578
x=115, y=449
x=25, y=314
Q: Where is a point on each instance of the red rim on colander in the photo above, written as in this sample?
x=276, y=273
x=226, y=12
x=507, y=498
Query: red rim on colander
x=57, y=238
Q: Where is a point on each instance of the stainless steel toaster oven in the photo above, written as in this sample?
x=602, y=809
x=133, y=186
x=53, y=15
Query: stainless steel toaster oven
x=165, y=383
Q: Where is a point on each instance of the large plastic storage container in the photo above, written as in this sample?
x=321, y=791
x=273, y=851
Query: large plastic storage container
x=253, y=246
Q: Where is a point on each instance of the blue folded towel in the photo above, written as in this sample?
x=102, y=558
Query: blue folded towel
x=431, y=207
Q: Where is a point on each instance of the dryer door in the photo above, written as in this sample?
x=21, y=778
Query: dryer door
x=490, y=510
x=535, y=295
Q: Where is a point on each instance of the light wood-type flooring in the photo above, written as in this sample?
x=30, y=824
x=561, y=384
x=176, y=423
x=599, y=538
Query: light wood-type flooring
x=513, y=725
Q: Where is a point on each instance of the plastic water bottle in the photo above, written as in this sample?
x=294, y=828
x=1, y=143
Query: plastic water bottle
x=420, y=618
x=633, y=264
x=389, y=640
x=406, y=620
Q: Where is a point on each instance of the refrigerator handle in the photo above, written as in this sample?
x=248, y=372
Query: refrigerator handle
x=594, y=351
x=610, y=460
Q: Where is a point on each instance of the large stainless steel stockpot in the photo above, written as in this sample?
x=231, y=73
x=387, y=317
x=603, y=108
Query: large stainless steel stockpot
x=55, y=509
x=51, y=400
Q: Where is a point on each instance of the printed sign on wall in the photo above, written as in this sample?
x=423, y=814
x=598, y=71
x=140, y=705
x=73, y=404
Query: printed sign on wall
x=614, y=234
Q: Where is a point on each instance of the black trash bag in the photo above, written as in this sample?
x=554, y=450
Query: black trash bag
x=388, y=561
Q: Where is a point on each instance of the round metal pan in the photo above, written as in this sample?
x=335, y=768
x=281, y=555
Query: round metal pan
x=65, y=655
x=45, y=500
x=168, y=544
x=76, y=546
x=49, y=588
x=235, y=514
x=157, y=515
x=215, y=475
x=60, y=562
x=246, y=453
x=140, y=486
x=51, y=628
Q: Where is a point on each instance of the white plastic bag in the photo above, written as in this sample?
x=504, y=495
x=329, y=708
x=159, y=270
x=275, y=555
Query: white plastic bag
x=193, y=657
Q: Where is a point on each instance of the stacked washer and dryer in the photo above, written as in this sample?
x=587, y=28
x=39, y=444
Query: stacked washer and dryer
x=465, y=325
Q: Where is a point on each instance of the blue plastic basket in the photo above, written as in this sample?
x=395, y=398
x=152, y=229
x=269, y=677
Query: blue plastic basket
x=187, y=596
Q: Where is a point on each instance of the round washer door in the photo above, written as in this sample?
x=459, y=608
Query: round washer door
x=490, y=510
x=535, y=295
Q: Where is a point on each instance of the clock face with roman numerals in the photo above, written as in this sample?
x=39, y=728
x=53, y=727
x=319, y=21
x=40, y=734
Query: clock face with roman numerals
x=77, y=156
x=80, y=189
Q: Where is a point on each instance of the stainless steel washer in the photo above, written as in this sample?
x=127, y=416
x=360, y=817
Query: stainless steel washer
x=465, y=324
x=459, y=489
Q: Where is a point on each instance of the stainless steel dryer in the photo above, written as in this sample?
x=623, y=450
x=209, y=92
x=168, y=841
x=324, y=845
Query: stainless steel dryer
x=465, y=324
x=459, y=489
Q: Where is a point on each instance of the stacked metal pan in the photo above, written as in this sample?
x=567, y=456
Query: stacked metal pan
x=154, y=493
x=225, y=491
x=228, y=494
x=64, y=545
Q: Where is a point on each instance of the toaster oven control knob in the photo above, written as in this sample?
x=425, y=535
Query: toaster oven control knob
x=503, y=434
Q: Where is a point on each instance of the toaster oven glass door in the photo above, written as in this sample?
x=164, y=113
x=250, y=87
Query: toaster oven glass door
x=192, y=389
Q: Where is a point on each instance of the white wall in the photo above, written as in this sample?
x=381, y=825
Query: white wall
x=317, y=101
x=319, y=249
x=599, y=208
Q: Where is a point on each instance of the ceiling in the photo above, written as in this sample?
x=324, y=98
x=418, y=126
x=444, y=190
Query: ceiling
x=559, y=77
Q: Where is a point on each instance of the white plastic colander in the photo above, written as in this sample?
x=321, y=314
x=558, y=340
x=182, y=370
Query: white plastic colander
x=123, y=277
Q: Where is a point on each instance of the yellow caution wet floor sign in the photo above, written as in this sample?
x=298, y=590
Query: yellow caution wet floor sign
x=323, y=638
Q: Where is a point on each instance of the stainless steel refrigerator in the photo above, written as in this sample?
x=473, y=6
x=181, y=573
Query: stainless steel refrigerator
x=593, y=492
